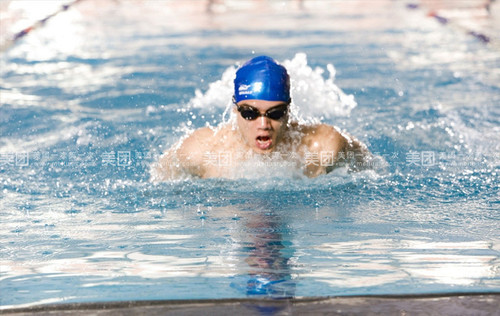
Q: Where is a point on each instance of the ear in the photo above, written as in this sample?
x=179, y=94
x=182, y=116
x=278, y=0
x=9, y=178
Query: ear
x=235, y=109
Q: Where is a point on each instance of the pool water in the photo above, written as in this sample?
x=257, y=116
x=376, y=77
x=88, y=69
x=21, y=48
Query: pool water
x=92, y=98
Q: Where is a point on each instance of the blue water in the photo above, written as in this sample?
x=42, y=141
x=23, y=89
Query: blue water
x=91, y=99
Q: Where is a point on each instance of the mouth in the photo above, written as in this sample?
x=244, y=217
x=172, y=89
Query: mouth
x=263, y=142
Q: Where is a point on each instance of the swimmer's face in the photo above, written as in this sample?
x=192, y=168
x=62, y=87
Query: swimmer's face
x=263, y=133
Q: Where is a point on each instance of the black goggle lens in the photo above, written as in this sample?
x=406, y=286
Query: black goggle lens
x=251, y=114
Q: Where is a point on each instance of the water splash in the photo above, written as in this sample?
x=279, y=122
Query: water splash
x=314, y=96
x=218, y=95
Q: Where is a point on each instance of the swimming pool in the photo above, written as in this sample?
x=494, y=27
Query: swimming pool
x=92, y=98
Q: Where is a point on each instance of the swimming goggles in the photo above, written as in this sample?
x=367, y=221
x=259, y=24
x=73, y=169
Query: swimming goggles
x=251, y=113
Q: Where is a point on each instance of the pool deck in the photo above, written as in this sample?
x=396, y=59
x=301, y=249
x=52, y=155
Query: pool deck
x=450, y=304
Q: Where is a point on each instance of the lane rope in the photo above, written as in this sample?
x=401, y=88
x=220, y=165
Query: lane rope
x=19, y=35
x=446, y=21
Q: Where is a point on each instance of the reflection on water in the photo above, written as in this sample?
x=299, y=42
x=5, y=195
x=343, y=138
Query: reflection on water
x=378, y=262
x=246, y=250
x=268, y=255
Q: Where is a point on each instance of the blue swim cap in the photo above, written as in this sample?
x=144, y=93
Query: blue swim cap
x=262, y=78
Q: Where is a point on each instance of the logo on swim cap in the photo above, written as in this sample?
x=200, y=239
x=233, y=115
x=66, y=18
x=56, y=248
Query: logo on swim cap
x=244, y=87
x=262, y=78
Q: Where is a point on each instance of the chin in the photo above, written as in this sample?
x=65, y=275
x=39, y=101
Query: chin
x=263, y=151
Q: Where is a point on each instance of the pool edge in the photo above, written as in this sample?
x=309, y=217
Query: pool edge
x=483, y=303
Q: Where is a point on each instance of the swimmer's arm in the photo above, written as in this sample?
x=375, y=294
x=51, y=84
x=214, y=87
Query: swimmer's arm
x=192, y=151
x=186, y=158
x=345, y=149
x=352, y=152
x=167, y=167
x=322, y=141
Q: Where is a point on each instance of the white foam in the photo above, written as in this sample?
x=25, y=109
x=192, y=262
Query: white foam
x=218, y=95
x=314, y=96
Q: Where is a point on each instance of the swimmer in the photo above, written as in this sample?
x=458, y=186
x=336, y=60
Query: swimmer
x=262, y=128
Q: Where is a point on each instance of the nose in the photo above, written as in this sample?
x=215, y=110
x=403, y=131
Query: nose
x=264, y=122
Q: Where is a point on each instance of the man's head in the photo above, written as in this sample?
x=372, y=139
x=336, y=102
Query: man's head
x=262, y=96
x=262, y=78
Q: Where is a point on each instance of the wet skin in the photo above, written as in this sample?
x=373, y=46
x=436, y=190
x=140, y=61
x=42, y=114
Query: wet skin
x=261, y=136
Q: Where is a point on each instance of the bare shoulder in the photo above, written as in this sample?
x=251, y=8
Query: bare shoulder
x=331, y=138
x=185, y=157
x=197, y=141
x=191, y=151
x=323, y=137
x=189, y=155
